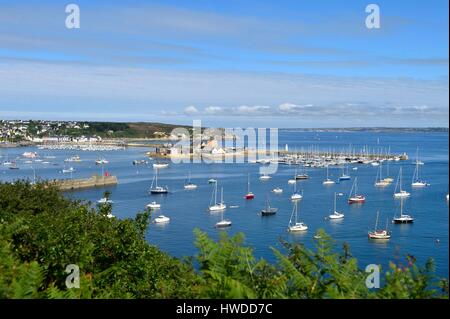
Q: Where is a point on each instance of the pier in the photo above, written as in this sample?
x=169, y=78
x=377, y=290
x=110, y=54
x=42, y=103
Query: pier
x=93, y=181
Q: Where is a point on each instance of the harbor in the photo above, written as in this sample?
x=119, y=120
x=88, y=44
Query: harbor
x=185, y=191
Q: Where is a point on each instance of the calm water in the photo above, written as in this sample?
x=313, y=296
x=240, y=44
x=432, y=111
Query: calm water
x=188, y=209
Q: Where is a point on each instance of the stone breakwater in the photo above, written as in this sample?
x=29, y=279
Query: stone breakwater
x=93, y=181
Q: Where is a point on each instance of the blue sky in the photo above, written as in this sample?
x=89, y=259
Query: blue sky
x=228, y=63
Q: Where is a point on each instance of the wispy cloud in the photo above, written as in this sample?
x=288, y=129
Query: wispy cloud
x=332, y=110
x=191, y=110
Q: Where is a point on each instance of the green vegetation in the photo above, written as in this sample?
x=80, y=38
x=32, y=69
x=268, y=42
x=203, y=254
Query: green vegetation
x=115, y=129
x=41, y=232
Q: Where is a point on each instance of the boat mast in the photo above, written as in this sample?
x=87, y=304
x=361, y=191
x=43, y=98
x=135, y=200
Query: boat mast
x=400, y=180
x=215, y=194
x=334, y=202
x=295, y=206
x=376, y=221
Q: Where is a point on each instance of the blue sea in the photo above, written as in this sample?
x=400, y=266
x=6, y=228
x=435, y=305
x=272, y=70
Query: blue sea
x=426, y=237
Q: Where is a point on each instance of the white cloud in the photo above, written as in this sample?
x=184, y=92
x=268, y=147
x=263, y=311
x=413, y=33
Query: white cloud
x=290, y=108
x=213, y=110
x=250, y=110
x=27, y=86
x=190, y=110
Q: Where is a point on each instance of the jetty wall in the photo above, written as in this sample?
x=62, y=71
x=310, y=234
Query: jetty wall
x=93, y=181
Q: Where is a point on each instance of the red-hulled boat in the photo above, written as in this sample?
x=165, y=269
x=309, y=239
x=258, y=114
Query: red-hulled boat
x=249, y=194
x=354, y=198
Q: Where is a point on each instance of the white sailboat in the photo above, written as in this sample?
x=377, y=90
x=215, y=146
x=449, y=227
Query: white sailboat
x=294, y=225
x=401, y=193
x=189, y=185
x=75, y=158
x=403, y=218
x=223, y=223
x=388, y=178
x=336, y=214
x=153, y=205
x=328, y=181
x=161, y=219
x=416, y=181
x=215, y=207
x=101, y=161
x=154, y=188
x=296, y=196
x=68, y=170
x=417, y=157
x=160, y=165
x=292, y=181
x=105, y=200
x=379, y=181
x=277, y=190
x=265, y=177
x=379, y=233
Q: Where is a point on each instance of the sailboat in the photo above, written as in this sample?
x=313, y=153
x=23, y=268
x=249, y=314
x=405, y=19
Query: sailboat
x=68, y=170
x=354, y=198
x=294, y=180
x=336, y=214
x=294, y=225
x=157, y=189
x=268, y=210
x=328, y=181
x=296, y=196
x=75, y=158
x=402, y=193
x=417, y=157
x=13, y=165
x=216, y=206
x=416, y=181
x=153, y=205
x=190, y=185
x=379, y=233
x=223, y=222
x=388, y=179
x=379, y=181
x=101, y=161
x=345, y=175
x=277, y=190
x=161, y=219
x=249, y=194
x=403, y=218
x=265, y=177
x=303, y=175
x=160, y=165
x=105, y=200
